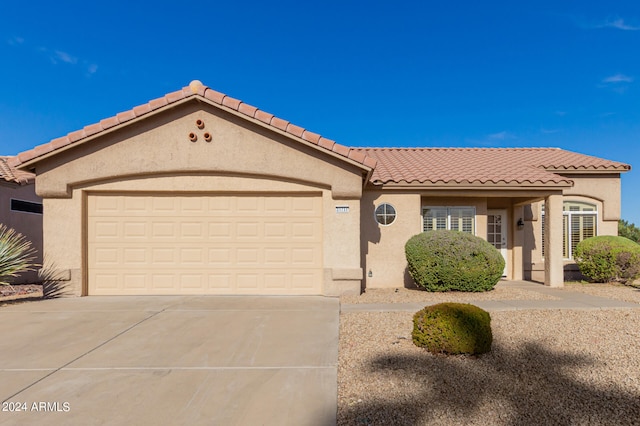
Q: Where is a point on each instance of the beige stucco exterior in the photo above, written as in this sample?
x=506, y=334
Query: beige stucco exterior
x=383, y=245
x=158, y=156
x=28, y=224
x=602, y=190
x=198, y=148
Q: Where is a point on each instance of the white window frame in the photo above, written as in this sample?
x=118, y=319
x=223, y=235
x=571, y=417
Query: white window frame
x=569, y=215
x=448, y=210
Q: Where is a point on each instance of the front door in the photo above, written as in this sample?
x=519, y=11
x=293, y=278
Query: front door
x=497, y=233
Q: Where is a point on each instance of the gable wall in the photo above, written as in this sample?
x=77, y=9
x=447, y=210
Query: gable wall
x=156, y=155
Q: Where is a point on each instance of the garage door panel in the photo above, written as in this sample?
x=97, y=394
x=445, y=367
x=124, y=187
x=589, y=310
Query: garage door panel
x=104, y=229
x=134, y=281
x=204, y=244
x=219, y=282
x=135, y=257
x=221, y=256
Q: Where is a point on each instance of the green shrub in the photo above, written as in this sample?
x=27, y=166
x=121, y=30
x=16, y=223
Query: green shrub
x=629, y=230
x=452, y=260
x=453, y=328
x=608, y=258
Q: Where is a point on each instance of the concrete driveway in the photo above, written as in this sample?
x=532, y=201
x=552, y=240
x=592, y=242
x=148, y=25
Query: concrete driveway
x=170, y=360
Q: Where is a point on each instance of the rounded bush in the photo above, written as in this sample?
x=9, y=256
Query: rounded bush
x=608, y=258
x=453, y=328
x=452, y=260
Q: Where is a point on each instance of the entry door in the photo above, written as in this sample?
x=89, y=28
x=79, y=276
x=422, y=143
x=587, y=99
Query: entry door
x=497, y=233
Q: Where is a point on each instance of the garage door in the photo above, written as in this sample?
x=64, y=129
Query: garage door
x=194, y=244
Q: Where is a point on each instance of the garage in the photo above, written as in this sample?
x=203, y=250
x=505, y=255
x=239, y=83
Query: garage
x=181, y=243
x=196, y=193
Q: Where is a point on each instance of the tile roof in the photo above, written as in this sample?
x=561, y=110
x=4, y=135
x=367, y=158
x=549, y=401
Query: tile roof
x=11, y=174
x=434, y=166
x=522, y=166
x=195, y=89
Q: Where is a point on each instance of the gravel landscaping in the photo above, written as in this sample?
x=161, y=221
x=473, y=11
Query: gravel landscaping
x=566, y=367
x=409, y=295
x=611, y=291
x=19, y=292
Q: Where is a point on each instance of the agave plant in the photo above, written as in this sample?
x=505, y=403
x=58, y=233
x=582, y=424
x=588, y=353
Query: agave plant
x=16, y=254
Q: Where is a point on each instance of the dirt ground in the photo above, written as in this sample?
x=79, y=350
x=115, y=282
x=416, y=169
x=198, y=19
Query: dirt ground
x=20, y=292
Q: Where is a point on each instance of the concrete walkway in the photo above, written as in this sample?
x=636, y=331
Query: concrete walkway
x=565, y=300
x=170, y=361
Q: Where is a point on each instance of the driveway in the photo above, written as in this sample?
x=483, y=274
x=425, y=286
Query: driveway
x=170, y=360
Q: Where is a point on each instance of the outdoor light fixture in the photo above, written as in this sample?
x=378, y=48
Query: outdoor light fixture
x=370, y=274
x=520, y=223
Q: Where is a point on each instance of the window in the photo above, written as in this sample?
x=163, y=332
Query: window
x=579, y=222
x=26, y=206
x=454, y=218
x=385, y=214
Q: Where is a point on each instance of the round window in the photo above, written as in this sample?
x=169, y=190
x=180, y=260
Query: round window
x=385, y=214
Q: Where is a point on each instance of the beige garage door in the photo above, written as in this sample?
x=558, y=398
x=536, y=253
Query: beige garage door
x=194, y=244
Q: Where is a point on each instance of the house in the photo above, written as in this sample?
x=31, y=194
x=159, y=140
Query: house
x=199, y=193
x=21, y=209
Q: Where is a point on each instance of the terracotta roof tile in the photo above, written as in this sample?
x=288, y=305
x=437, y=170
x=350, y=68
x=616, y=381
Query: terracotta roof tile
x=358, y=156
x=340, y=149
x=60, y=142
x=141, y=109
x=92, y=129
x=481, y=165
x=125, y=116
x=279, y=123
x=230, y=102
x=214, y=96
x=265, y=117
x=43, y=149
x=370, y=162
x=110, y=122
x=174, y=96
x=326, y=143
x=247, y=109
x=76, y=136
x=295, y=130
x=10, y=174
x=311, y=137
x=156, y=103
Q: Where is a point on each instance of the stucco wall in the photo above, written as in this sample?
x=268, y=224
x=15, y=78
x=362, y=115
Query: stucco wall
x=383, y=246
x=383, y=259
x=156, y=155
x=601, y=190
x=28, y=224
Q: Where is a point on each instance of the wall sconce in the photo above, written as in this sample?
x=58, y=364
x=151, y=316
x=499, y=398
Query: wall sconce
x=370, y=274
x=520, y=224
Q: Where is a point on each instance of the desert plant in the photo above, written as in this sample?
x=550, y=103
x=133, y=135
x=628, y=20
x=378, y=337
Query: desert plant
x=16, y=254
x=451, y=260
x=608, y=258
x=453, y=328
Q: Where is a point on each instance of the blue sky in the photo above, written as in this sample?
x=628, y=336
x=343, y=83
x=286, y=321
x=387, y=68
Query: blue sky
x=415, y=73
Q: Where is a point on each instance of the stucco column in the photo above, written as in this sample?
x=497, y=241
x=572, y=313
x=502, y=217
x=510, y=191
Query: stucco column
x=517, y=267
x=553, y=265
